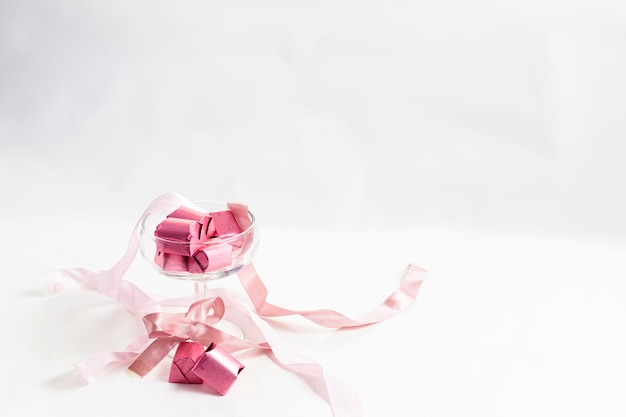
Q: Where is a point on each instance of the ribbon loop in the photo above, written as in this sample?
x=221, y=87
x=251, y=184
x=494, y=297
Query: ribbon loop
x=210, y=310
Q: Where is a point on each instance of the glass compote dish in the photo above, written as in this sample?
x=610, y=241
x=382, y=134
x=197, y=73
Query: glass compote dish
x=203, y=255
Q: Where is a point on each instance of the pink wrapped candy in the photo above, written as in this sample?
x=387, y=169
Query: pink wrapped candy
x=176, y=236
x=225, y=224
x=207, y=226
x=184, y=244
x=218, y=369
x=210, y=259
x=185, y=359
x=171, y=261
x=214, y=366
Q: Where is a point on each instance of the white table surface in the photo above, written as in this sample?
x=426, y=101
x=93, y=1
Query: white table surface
x=505, y=324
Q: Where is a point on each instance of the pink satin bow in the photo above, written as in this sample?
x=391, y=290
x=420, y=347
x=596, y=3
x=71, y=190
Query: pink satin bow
x=196, y=324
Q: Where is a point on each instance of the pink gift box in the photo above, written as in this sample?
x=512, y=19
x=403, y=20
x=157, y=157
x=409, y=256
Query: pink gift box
x=185, y=360
x=218, y=369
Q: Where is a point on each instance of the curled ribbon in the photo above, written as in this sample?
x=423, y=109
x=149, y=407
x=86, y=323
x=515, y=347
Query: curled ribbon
x=400, y=299
x=197, y=323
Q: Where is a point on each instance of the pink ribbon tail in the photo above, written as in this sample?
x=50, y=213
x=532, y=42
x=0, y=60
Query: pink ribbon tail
x=110, y=282
x=398, y=301
x=343, y=401
x=91, y=368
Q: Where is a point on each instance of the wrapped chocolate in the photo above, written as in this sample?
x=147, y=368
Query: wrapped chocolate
x=219, y=256
x=188, y=240
x=210, y=259
x=172, y=262
x=207, y=226
x=214, y=366
x=198, y=263
x=185, y=359
x=176, y=236
x=225, y=224
x=218, y=369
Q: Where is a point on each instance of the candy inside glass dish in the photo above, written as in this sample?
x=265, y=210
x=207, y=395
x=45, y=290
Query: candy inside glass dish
x=205, y=240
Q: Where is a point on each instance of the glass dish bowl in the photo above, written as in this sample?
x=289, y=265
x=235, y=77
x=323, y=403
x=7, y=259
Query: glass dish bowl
x=225, y=255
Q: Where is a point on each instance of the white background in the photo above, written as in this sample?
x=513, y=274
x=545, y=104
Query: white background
x=483, y=141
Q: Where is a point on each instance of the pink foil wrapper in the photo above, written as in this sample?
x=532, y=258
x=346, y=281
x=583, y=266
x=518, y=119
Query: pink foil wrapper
x=225, y=224
x=185, y=360
x=175, y=235
x=183, y=236
x=171, y=261
x=183, y=212
x=208, y=228
x=219, y=257
x=218, y=369
x=184, y=241
x=210, y=259
x=176, y=229
x=198, y=263
x=240, y=212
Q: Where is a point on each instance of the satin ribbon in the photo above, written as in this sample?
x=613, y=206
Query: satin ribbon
x=168, y=330
x=196, y=324
x=399, y=300
x=111, y=283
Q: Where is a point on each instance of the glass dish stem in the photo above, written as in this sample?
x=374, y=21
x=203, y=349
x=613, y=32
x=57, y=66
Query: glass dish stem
x=201, y=289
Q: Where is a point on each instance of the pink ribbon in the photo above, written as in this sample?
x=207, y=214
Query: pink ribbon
x=197, y=325
x=343, y=401
x=110, y=282
x=399, y=300
x=171, y=329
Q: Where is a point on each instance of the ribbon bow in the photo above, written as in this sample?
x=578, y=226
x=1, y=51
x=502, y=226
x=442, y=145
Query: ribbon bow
x=170, y=329
x=197, y=324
